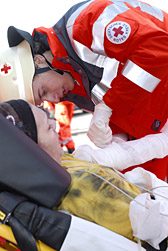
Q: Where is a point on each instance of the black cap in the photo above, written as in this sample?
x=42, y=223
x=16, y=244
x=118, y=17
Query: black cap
x=25, y=115
x=16, y=36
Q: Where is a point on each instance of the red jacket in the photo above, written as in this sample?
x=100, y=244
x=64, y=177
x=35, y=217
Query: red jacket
x=116, y=51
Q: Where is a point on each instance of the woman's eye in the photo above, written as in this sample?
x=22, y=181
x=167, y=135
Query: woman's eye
x=50, y=127
x=44, y=92
x=52, y=124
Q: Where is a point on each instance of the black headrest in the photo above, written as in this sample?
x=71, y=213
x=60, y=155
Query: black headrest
x=27, y=170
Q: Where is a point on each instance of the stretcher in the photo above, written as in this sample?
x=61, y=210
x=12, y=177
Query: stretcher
x=99, y=240
x=33, y=192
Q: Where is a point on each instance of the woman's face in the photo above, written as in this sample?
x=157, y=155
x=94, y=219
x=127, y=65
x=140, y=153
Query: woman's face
x=47, y=135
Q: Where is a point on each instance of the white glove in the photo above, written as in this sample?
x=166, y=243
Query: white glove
x=99, y=131
x=165, y=128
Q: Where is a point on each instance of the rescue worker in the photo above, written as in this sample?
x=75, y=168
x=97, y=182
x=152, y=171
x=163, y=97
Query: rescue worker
x=97, y=45
x=63, y=113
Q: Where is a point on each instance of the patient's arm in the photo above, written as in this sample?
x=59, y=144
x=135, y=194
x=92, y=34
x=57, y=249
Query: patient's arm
x=125, y=154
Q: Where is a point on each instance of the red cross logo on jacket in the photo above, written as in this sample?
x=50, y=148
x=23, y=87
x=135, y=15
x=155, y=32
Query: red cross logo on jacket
x=118, y=31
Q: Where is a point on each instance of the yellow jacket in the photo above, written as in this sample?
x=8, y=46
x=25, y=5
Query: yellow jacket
x=93, y=198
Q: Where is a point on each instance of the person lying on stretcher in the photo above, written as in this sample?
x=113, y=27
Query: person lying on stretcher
x=97, y=193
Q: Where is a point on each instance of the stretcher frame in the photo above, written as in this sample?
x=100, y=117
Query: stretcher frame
x=6, y=233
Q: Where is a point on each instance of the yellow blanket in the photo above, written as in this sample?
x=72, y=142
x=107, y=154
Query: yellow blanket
x=100, y=195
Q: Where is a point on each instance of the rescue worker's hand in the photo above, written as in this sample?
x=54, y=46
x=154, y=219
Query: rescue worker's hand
x=99, y=131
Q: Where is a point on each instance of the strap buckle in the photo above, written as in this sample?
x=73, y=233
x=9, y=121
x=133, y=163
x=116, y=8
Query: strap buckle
x=4, y=218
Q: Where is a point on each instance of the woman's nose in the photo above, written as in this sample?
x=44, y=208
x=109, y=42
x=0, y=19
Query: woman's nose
x=56, y=98
x=52, y=98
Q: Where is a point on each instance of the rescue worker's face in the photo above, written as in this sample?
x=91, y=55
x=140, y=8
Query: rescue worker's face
x=50, y=86
x=47, y=135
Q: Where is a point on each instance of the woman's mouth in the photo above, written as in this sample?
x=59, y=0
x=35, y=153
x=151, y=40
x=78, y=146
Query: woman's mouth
x=65, y=92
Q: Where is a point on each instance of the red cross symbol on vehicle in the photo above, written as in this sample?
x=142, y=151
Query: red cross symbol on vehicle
x=5, y=68
x=118, y=31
